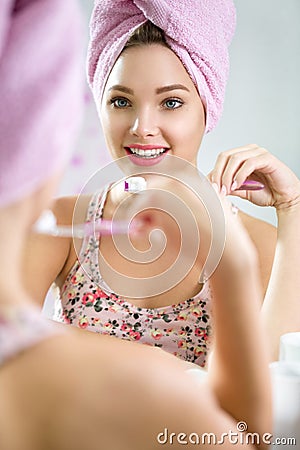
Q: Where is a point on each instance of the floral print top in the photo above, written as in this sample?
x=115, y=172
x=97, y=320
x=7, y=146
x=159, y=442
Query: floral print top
x=86, y=301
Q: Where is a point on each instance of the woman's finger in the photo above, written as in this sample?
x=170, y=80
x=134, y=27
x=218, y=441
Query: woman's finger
x=223, y=158
x=236, y=162
x=259, y=167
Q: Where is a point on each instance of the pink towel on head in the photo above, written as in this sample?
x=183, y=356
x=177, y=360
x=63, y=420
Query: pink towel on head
x=41, y=91
x=198, y=31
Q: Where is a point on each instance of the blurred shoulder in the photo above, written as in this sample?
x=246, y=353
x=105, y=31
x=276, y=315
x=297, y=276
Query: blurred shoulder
x=89, y=386
x=68, y=208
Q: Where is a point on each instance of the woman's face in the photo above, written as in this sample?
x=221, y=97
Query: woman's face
x=151, y=107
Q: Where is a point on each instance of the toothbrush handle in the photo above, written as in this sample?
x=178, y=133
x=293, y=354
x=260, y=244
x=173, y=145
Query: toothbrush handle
x=99, y=227
x=251, y=185
x=106, y=227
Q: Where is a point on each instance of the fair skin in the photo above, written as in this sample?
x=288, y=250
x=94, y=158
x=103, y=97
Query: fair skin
x=63, y=392
x=150, y=100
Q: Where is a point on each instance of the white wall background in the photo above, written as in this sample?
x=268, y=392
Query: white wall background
x=262, y=100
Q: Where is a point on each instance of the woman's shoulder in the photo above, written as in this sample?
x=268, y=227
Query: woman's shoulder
x=259, y=229
x=69, y=208
x=264, y=237
x=64, y=387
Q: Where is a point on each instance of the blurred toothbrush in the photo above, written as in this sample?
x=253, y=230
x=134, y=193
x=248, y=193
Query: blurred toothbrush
x=47, y=225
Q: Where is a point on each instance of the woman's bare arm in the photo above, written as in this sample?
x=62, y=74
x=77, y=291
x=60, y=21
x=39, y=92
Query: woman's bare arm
x=264, y=237
x=281, y=307
x=238, y=373
x=239, y=365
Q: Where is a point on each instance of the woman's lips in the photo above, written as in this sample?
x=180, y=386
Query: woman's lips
x=146, y=155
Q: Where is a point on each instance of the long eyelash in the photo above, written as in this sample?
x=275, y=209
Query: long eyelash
x=112, y=100
x=174, y=99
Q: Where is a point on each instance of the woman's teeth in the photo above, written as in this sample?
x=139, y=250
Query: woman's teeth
x=150, y=153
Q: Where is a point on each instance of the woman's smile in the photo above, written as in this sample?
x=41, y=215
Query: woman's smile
x=146, y=155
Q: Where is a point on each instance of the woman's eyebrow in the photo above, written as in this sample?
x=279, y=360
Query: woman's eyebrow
x=119, y=87
x=171, y=87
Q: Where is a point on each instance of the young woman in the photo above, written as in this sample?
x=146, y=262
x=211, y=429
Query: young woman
x=64, y=390
x=153, y=96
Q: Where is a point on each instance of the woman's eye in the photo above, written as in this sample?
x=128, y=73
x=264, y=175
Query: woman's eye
x=119, y=102
x=173, y=103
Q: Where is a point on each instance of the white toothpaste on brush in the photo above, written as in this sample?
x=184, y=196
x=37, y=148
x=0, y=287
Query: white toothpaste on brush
x=135, y=185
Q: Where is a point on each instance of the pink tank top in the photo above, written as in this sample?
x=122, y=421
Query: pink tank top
x=21, y=328
x=86, y=302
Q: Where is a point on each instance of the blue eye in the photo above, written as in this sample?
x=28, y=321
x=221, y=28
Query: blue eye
x=173, y=103
x=119, y=102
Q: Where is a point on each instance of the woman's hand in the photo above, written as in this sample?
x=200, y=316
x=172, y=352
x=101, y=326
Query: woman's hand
x=238, y=249
x=233, y=167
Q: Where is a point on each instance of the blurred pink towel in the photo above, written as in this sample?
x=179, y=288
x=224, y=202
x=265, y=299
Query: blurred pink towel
x=41, y=89
x=198, y=31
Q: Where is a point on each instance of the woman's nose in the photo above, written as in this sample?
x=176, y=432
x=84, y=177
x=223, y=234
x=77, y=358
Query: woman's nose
x=144, y=124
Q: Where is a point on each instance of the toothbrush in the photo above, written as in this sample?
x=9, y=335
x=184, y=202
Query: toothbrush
x=47, y=222
x=47, y=225
x=251, y=185
x=135, y=185
x=99, y=227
